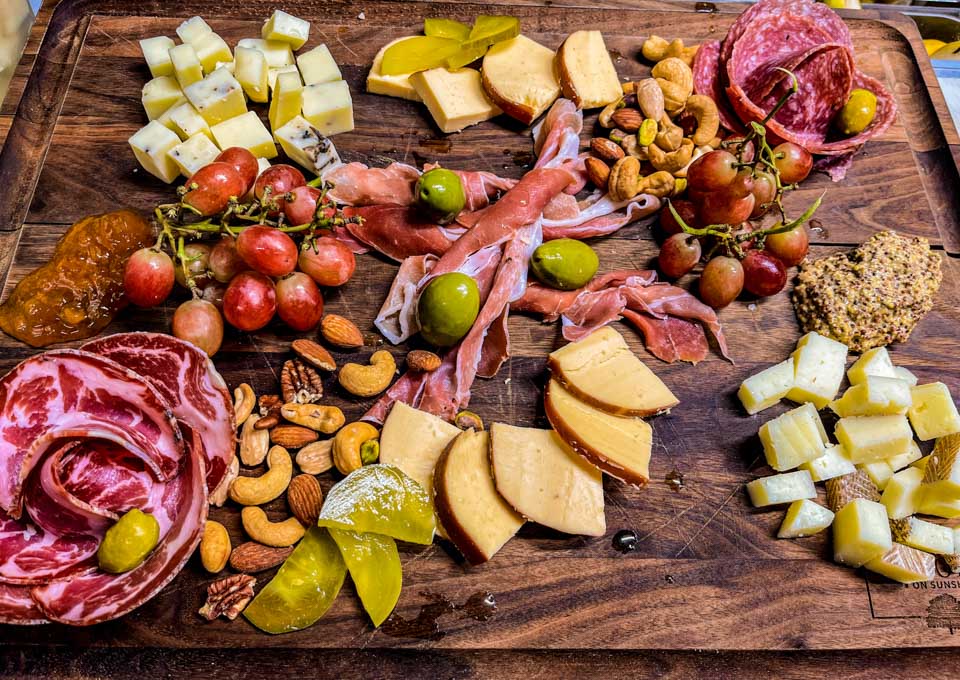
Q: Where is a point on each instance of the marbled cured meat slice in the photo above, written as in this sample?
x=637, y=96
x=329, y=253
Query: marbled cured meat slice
x=706, y=80
x=550, y=303
x=670, y=339
x=29, y=555
x=772, y=41
x=17, y=607
x=664, y=301
x=601, y=217
x=397, y=231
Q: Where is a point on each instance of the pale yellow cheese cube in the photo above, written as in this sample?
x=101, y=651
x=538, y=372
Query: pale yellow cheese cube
x=904, y=459
x=938, y=503
x=246, y=131
x=779, y=489
x=156, y=52
x=804, y=518
x=304, y=144
x=765, y=388
x=861, y=532
x=166, y=120
x=922, y=535
x=160, y=94
x=879, y=472
x=903, y=494
x=905, y=375
x=328, y=107
x=229, y=65
x=277, y=52
x=794, y=438
x=286, y=28
x=875, y=396
x=274, y=73
x=186, y=121
x=193, y=154
x=211, y=49
x=391, y=86
x=217, y=97
x=250, y=70
x=933, y=413
x=819, y=363
x=193, y=29
x=871, y=438
x=904, y=564
x=287, y=100
x=874, y=362
x=318, y=66
x=150, y=145
x=186, y=65
x=455, y=99
x=833, y=463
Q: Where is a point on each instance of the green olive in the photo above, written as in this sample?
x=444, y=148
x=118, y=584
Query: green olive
x=128, y=542
x=564, y=263
x=447, y=309
x=857, y=114
x=439, y=194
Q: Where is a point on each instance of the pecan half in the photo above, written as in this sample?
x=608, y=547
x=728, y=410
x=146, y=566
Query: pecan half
x=299, y=383
x=228, y=597
x=270, y=405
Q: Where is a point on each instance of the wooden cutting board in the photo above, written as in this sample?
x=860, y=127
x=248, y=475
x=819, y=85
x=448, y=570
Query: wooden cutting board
x=707, y=572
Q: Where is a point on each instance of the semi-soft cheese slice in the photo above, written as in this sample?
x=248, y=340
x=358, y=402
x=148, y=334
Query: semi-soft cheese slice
x=413, y=441
x=546, y=481
x=587, y=74
x=391, y=86
x=601, y=370
x=618, y=445
x=519, y=75
x=455, y=99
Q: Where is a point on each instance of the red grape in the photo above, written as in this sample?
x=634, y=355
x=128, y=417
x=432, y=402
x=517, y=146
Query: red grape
x=148, y=277
x=741, y=185
x=302, y=208
x=215, y=183
x=764, y=191
x=199, y=322
x=793, y=161
x=790, y=247
x=327, y=261
x=719, y=208
x=196, y=258
x=225, y=262
x=763, y=274
x=687, y=212
x=244, y=162
x=249, y=301
x=267, y=250
x=281, y=179
x=299, y=302
x=213, y=292
x=713, y=170
x=734, y=143
x=721, y=281
x=678, y=255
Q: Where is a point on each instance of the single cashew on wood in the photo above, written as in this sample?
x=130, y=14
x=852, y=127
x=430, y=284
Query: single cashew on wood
x=214, y=547
x=674, y=161
x=650, y=98
x=704, y=109
x=676, y=81
x=347, y=443
x=368, y=381
x=254, y=443
x=243, y=402
x=275, y=534
x=269, y=485
x=326, y=419
x=658, y=184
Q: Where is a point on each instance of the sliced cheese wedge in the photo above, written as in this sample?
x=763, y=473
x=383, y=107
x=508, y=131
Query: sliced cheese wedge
x=456, y=99
x=392, y=86
x=519, y=76
x=904, y=564
x=413, y=441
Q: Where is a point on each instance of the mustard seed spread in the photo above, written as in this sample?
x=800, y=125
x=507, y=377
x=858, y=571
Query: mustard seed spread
x=872, y=295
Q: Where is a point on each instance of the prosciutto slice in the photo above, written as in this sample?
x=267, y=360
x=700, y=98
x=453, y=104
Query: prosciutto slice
x=670, y=339
x=397, y=231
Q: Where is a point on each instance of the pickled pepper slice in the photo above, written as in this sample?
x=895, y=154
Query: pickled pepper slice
x=374, y=566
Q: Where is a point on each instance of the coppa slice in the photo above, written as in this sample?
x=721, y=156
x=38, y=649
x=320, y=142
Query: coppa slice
x=601, y=370
x=545, y=481
x=619, y=446
x=475, y=516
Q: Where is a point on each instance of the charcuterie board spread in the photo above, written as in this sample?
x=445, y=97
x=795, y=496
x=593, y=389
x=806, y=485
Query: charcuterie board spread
x=472, y=326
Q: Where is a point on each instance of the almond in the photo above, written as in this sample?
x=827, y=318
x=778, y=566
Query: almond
x=341, y=332
x=598, y=172
x=628, y=120
x=605, y=150
x=317, y=457
x=292, y=436
x=422, y=360
x=314, y=354
x=305, y=498
x=251, y=557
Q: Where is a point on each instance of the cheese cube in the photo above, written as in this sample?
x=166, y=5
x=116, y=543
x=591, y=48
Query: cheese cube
x=933, y=413
x=217, y=97
x=393, y=86
x=939, y=504
x=156, y=52
x=160, y=94
x=246, y=131
x=304, y=144
x=904, y=564
x=277, y=52
x=251, y=72
x=766, y=388
x=905, y=375
x=793, y=439
x=861, y=532
x=287, y=100
x=193, y=154
x=150, y=145
x=833, y=463
x=905, y=459
x=455, y=99
x=165, y=117
x=804, y=518
x=878, y=471
x=194, y=28
x=779, y=489
x=286, y=28
x=186, y=121
x=229, y=65
x=874, y=397
x=186, y=65
x=922, y=535
x=211, y=49
x=847, y=488
x=328, y=107
x=318, y=66
x=871, y=438
x=874, y=362
x=902, y=495
x=274, y=73
x=819, y=363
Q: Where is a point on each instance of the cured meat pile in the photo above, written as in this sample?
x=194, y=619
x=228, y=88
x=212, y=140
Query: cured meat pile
x=810, y=40
x=137, y=420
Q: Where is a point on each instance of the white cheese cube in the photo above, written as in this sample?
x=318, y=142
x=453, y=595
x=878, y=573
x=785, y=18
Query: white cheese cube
x=287, y=100
x=211, y=49
x=286, y=28
x=804, y=518
x=159, y=95
x=904, y=459
x=318, y=66
x=274, y=73
x=903, y=493
x=186, y=121
x=779, y=489
x=905, y=375
x=150, y=145
x=878, y=471
x=305, y=145
x=246, y=131
x=393, y=86
x=455, y=99
x=794, y=438
x=229, y=65
x=194, y=28
x=277, y=53
x=217, y=97
x=328, y=107
x=767, y=387
x=861, y=532
x=819, y=363
x=875, y=396
x=156, y=52
x=833, y=463
x=251, y=73
x=186, y=65
x=922, y=535
x=871, y=438
x=165, y=117
x=193, y=154
x=874, y=362
x=933, y=413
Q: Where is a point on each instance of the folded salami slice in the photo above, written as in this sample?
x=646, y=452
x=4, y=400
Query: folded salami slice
x=706, y=80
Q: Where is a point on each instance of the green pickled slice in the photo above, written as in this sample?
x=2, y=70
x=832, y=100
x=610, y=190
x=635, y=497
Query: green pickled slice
x=446, y=28
x=418, y=53
x=374, y=566
x=489, y=29
x=380, y=499
x=303, y=589
x=466, y=56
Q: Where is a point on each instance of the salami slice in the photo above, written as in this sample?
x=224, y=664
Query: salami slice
x=706, y=80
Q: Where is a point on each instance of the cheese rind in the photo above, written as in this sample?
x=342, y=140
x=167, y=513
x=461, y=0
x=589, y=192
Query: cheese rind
x=194, y=154
x=942, y=470
x=391, y=86
x=923, y=535
x=150, y=145
x=455, y=99
x=819, y=364
x=780, y=489
x=804, y=518
x=875, y=362
x=933, y=413
x=156, y=52
x=328, y=107
x=904, y=564
x=246, y=131
x=218, y=97
x=861, y=532
x=903, y=493
x=318, y=66
x=847, y=488
x=304, y=145
x=871, y=438
x=875, y=396
x=768, y=387
x=286, y=28
x=159, y=94
x=833, y=463
x=250, y=70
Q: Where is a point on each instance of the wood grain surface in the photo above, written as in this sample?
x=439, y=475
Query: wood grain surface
x=707, y=573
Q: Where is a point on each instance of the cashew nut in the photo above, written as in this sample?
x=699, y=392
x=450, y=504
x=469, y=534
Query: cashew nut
x=347, y=443
x=676, y=81
x=367, y=381
x=243, y=402
x=605, y=115
x=658, y=184
x=670, y=136
x=275, y=534
x=704, y=109
x=624, y=176
x=656, y=48
x=214, y=547
x=326, y=419
x=316, y=458
x=269, y=485
x=674, y=160
x=254, y=443
x=650, y=98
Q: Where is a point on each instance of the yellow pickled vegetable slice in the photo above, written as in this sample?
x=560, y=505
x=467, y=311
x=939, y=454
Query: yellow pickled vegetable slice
x=374, y=566
x=446, y=28
x=418, y=53
x=488, y=30
x=466, y=56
